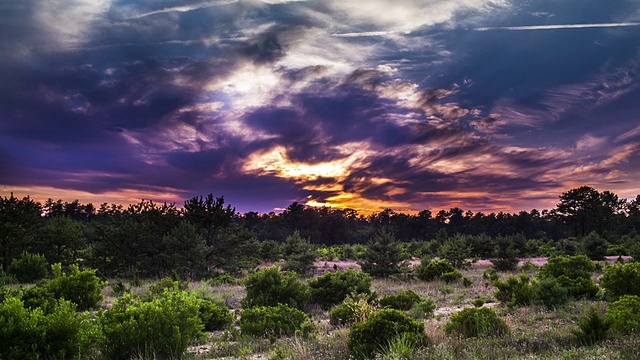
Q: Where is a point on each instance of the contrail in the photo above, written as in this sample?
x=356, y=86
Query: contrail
x=560, y=26
x=185, y=8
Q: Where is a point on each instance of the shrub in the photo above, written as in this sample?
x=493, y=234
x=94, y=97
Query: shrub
x=595, y=247
x=160, y=328
x=39, y=297
x=214, y=317
x=548, y=292
x=264, y=321
x=622, y=279
x=476, y=322
x=579, y=287
x=624, y=314
x=514, y=291
x=270, y=287
x=332, y=288
x=350, y=312
x=299, y=255
x=573, y=267
x=222, y=279
x=169, y=284
x=423, y=309
x=383, y=256
x=403, y=300
x=592, y=328
x=29, y=268
x=451, y=276
x=32, y=334
x=83, y=288
x=369, y=337
x=433, y=270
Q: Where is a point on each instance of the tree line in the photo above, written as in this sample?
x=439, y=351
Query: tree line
x=207, y=235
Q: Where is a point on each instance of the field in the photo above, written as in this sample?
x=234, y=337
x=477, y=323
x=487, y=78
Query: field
x=535, y=331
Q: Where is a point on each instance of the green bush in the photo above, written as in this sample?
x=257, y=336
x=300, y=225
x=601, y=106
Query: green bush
x=29, y=268
x=280, y=320
x=592, y=328
x=573, y=267
x=514, y=291
x=160, y=328
x=167, y=283
x=579, y=288
x=270, y=287
x=369, y=337
x=403, y=300
x=624, y=314
x=350, y=312
x=623, y=279
x=214, y=317
x=332, y=288
x=548, y=292
x=451, y=276
x=433, y=270
x=32, y=334
x=423, y=309
x=39, y=297
x=476, y=322
x=222, y=279
x=82, y=288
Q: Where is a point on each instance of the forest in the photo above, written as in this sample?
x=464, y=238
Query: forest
x=80, y=281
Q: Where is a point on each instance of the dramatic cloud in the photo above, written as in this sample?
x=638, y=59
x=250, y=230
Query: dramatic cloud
x=482, y=104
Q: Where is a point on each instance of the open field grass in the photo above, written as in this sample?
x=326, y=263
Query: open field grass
x=535, y=331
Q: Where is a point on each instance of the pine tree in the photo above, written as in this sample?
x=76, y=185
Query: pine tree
x=384, y=256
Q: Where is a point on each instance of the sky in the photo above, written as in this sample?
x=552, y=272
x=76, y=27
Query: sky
x=486, y=105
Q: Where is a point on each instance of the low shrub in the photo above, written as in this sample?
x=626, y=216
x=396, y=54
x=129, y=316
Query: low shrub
x=222, y=279
x=451, y=276
x=592, y=328
x=82, y=288
x=423, y=309
x=265, y=321
x=514, y=291
x=549, y=293
x=579, y=288
x=31, y=334
x=369, y=337
x=29, y=268
x=160, y=328
x=433, y=270
x=39, y=297
x=476, y=322
x=350, y=312
x=621, y=279
x=573, y=267
x=333, y=287
x=213, y=316
x=270, y=287
x=624, y=314
x=403, y=300
x=165, y=284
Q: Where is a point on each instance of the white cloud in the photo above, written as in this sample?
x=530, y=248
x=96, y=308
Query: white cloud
x=590, y=142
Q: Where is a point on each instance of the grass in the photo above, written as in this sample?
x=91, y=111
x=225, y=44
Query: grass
x=535, y=332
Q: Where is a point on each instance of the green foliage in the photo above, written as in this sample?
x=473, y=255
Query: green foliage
x=161, y=328
x=433, y=269
x=184, y=251
x=221, y=279
x=39, y=296
x=403, y=300
x=61, y=240
x=29, y=268
x=270, y=287
x=214, y=317
x=476, y=322
x=621, y=279
x=82, y=288
x=167, y=284
x=514, y=291
x=350, y=312
x=573, y=267
x=529, y=266
x=332, y=288
x=457, y=250
x=31, y=334
x=369, y=337
x=423, y=309
x=299, y=255
x=451, y=276
x=384, y=256
x=595, y=247
x=579, y=288
x=505, y=256
x=592, y=328
x=548, y=292
x=280, y=320
x=624, y=314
